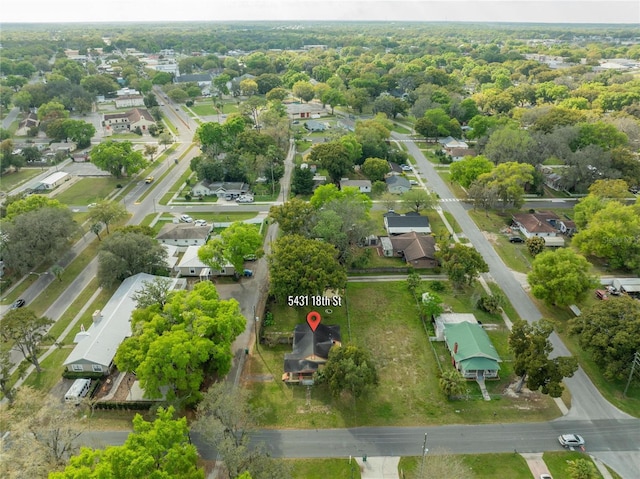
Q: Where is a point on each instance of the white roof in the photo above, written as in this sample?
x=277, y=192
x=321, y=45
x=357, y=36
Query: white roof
x=190, y=258
x=100, y=342
x=52, y=178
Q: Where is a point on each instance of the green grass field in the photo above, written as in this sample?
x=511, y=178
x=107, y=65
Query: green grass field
x=324, y=468
x=557, y=462
x=11, y=179
x=382, y=317
x=89, y=190
x=479, y=466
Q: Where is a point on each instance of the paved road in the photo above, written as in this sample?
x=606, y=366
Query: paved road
x=587, y=402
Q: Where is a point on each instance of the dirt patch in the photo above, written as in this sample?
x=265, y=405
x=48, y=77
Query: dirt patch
x=491, y=237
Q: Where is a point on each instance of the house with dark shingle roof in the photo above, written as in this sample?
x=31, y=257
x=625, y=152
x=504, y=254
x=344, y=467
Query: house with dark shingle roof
x=310, y=351
x=472, y=351
x=418, y=250
x=397, y=224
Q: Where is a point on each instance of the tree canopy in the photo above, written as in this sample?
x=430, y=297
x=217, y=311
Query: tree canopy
x=610, y=332
x=235, y=243
x=118, y=158
x=302, y=266
x=531, y=347
x=560, y=277
x=349, y=368
x=463, y=264
x=175, y=346
x=160, y=449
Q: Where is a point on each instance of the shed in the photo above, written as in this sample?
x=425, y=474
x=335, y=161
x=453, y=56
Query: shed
x=451, y=318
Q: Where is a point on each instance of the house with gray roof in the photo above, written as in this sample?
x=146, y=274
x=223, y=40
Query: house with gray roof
x=183, y=234
x=397, y=224
x=310, y=352
x=97, y=345
x=219, y=189
x=397, y=184
x=364, y=186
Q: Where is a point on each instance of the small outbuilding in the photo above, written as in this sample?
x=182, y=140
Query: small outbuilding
x=54, y=180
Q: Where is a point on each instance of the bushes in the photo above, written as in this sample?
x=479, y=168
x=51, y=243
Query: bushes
x=81, y=375
x=491, y=303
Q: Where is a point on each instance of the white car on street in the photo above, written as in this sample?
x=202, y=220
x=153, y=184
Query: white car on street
x=244, y=199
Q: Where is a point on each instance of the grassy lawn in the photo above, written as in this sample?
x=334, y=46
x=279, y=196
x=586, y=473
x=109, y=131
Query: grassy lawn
x=557, y=462
x=457, y=190
x=11, y=179
x=89, y=190
x=381, y=317
x=323, y=468
x=204, y=109
x=52, y=369
x=176, y=187
x=401, y=129
x=494, y=225
x=481, y=466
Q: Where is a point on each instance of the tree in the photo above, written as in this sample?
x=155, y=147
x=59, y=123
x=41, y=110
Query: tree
x=44, y=432
x=150, y=151
x=302, y=181
x=166, y=139
x=509, y=145
x=35, y=237
x=332, y=97
x=32, y=203
x=375, y=168
x=333, y=157
x=173, y=348
x=235, y=243
x=605, y=135
x=430, y=305
x=107, y=212
x=469, y=169
x=582, y=469
x=161, y=448
x=610, y=332
x=303, y=90
x=560, y=277
x=535, y=245
x=419, y=200
x=531, y=348
x=349, y=368
x=96, y=228
x=322, y=270
x=78, y=131
x=463, y=264
x=613, y=233
x=225, y=419
x=508, y=180
x=294, y=217
x=6, y=364
x=609, y=189
x=117, y=158
x=125, y=254
x=153, y=293
x=389, y=201
x=452, y=383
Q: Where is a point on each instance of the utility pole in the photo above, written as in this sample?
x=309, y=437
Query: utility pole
x=424, y=453
x=635, y=362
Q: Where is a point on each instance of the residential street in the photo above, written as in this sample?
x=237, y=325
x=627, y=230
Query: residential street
x=611, y=435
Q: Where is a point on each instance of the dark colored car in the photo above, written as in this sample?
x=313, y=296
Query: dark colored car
x=248, y=273
x=18, y=303
x=516, y=239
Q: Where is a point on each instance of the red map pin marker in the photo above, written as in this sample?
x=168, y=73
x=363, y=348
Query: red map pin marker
x=313, y=320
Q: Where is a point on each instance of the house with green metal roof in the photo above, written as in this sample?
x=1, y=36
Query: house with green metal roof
x=472, y=351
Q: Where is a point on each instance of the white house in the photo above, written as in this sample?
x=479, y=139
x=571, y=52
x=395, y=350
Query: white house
x=219, y=189
x=364, y=186
x=97, y=346
x=190, y=265
x=129, y=101
x=54, y=180
x=183, y=234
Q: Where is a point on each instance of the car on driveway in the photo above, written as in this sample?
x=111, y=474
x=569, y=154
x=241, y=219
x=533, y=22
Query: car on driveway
x=545, y=476
x=247, y=273
x=516, y=239
x=18, y=303
x=186, y=219
x=601, y=294
x=244, y=199
x=200, y=222
x=571, y=440
x=406, y=167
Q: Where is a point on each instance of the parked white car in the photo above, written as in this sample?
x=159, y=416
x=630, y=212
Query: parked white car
x=244, y=199
x=186, y=219
x=200, y=223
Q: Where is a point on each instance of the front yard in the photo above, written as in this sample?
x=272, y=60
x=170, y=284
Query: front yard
x=381, y=317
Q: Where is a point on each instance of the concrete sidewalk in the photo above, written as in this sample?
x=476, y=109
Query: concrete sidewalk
x=378, y=467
